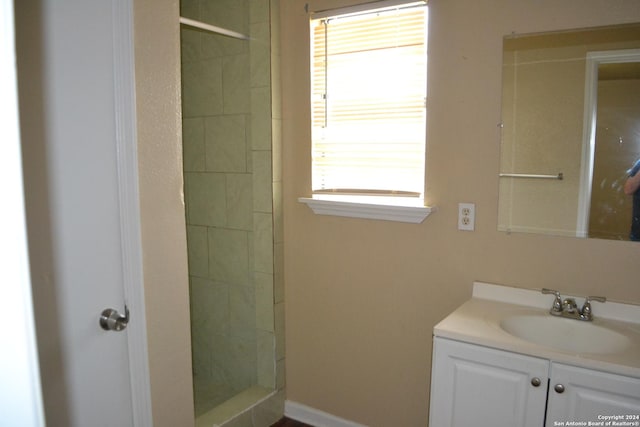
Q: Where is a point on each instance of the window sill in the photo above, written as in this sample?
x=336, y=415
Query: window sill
x=400, y=209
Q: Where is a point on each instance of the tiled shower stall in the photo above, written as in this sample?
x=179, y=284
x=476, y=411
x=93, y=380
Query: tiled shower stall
x=231, y=154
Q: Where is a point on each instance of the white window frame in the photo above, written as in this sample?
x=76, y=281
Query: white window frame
x=390, y=208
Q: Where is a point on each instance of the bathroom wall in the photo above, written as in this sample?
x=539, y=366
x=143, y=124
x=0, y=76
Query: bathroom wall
x=362, y=296
x=157, y=62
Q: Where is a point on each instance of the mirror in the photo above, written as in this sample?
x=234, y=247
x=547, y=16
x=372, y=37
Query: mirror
x=570, y=131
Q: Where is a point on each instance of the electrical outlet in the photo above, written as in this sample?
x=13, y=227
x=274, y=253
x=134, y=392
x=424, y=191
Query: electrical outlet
x=466, y=216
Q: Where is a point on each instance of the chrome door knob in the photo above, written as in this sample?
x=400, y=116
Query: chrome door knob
x=112, y=320
x=535, y=381
x=559, y=388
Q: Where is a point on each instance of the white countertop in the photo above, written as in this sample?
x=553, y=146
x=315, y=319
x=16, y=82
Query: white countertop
x=478, y=321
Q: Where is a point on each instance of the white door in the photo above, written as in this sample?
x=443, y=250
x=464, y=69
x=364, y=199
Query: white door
x=86, y=76
x=585, y=395
x=472, y=385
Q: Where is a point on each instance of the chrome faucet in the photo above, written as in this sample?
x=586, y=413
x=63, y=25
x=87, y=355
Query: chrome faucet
x=556, y=308
x=568, y=308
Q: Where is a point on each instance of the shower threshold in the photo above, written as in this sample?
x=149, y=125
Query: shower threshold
x=234, y=407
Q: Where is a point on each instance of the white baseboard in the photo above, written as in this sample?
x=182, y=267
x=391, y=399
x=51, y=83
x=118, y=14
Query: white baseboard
x=315, y=417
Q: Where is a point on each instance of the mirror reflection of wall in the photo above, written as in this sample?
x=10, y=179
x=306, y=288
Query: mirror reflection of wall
x=545, y=133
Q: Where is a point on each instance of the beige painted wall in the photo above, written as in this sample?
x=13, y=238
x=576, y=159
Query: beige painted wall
x=157, y=61
x=362, y=296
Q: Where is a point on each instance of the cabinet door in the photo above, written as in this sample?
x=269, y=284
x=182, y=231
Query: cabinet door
x=589, y=394
x=472, y=385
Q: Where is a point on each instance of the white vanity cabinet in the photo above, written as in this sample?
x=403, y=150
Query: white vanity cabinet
x=473, y=385
x=588, y=395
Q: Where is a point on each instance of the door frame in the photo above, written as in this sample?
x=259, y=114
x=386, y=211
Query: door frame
x=20, y=388
x=130, y=225
x=593, y=59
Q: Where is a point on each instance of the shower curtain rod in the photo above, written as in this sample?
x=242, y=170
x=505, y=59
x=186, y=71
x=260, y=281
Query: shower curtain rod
x=559, y=176
x=212, y=28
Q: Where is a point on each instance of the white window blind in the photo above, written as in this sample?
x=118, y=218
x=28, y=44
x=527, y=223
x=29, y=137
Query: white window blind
x=368, y=101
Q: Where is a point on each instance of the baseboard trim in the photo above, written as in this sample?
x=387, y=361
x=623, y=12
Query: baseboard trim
x=315, y=417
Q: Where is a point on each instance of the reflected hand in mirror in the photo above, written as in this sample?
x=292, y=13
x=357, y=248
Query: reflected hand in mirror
x=571, y=106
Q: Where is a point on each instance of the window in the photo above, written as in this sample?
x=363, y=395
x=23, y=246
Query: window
x=369, y=99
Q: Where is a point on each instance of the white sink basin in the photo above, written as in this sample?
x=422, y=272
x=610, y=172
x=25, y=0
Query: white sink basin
x=565, y=334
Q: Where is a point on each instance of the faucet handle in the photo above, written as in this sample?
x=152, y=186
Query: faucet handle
x=556, y=308
x=586, y=313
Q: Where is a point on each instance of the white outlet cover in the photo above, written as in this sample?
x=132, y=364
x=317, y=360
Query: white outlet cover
x=466, y=216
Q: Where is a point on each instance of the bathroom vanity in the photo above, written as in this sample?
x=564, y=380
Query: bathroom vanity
x=502, y=359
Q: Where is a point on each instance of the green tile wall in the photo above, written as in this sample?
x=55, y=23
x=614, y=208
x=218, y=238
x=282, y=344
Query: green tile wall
x=231, y=155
